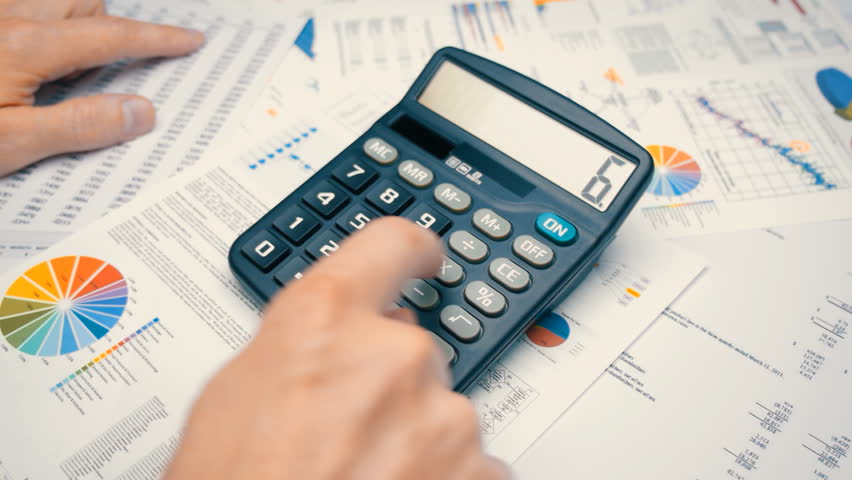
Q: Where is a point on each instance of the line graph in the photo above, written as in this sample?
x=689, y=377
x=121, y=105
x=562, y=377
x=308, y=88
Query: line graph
x=756, y=141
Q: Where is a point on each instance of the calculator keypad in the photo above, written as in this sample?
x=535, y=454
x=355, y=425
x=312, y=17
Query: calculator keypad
x=326, y=199
x=382, y=191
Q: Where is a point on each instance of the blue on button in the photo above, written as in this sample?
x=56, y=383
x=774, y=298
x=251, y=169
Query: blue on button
x=556, y=229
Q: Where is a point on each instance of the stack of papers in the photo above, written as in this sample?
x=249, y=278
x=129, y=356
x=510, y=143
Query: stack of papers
x=709, y=342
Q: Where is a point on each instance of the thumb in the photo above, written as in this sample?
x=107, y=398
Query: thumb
x=29, y=134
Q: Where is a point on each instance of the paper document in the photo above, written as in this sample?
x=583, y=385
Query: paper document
x=746, y=376
x=198, y=98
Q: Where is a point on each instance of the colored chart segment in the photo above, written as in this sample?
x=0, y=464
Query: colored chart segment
x=676, y=173
x=59, y=306
x=550, y=331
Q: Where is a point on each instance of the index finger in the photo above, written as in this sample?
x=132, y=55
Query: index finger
x=372, y=265
x=63, y=46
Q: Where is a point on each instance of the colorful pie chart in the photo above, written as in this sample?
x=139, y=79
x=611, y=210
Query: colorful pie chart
x=550, y=331
x=675, y=171
x=59, y=306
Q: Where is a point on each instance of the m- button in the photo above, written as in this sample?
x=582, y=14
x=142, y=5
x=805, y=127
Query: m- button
x=532, y=251
x=452, y=197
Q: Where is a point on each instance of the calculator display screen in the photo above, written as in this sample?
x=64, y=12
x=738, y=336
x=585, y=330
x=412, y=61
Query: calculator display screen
x=569, y=159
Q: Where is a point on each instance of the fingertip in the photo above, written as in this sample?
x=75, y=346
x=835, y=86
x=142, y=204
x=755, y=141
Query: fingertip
x=139, y=116
x=195, y=39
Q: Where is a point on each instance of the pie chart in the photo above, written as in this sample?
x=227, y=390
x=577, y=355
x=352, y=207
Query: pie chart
x=550, y=331
x=61, y=305
x=676, y=173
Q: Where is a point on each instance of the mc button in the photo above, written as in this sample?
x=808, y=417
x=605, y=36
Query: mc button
x=556, y=229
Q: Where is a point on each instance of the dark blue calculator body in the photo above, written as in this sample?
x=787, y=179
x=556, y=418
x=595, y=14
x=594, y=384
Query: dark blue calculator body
x=525, y=187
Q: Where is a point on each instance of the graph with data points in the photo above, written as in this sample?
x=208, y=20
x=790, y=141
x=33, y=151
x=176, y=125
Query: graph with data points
x=758, y=143
x=675, y=172
x=62, y=305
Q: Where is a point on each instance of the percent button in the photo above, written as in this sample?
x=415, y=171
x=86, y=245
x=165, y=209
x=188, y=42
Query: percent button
x=485, y=299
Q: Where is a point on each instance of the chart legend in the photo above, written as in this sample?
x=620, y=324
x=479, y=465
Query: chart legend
x=62, y=305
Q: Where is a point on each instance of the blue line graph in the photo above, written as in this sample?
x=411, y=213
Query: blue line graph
x=784, y=151
x=286, y=150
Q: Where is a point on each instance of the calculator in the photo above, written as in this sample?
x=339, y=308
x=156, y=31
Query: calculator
x=525, y=187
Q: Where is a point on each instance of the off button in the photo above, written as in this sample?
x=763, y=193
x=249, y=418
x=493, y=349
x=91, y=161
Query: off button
x=556, y=229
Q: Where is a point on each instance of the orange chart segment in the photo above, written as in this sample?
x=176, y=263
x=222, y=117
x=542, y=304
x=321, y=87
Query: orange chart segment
x=676, y=173
x=60, y=306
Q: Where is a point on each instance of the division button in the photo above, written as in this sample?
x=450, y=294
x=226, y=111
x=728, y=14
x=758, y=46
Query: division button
x=452, y=198
x=421, y=294
x=426, y=216
x=491, y=224
x=296, y=224
x=556, y=229
x=450, y=273
x=292, y=270
x=389, y=198
x=447, y=350
x=265, y=250
x=415, y=174
x=326, y=199
x=468, y=247
x=355, y=175
x=484, y=298
x=460, y=323
x=509, y=274
x=532, y=251
x=324, y=244
x=380, y=151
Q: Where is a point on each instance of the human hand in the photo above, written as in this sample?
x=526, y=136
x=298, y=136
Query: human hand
x=44, y=40
x=332, y=388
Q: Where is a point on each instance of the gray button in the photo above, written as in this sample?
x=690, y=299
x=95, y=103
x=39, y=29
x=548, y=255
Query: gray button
x=447, y=351
x=421, y=294
x=461, y=324
x=532, y=251
x=468, y=247
x=491, y=224
x=452, y=197
x=450, y=274
x=485, y=298
x=415, y=174
x=380, y=151
x=509, y=274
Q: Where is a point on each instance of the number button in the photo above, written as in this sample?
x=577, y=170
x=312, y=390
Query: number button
x=292, y=270
x=509, y=274
x=556, y=229
x=532, y=251
x=326, y=199
x=389, y=198
x=450, y=274
x=265, y=250
x=355, y=176
x=356, y=219
x=460, y=323
x=485, y=299
x=296, y=224
x=468, y=247
x=421, y=294
x=491, y=224
x=324, y=245
x=415, y=174
x=380, y=151
x=427, y=217
x=452, y=198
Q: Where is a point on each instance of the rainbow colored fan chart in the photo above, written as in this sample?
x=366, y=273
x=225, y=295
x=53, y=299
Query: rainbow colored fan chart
x=676, y=173
x=62, y=305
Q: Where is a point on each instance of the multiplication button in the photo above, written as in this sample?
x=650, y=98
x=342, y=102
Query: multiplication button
x=450, y=274
x=460, y=323
x=485, y=299
x=468, y=247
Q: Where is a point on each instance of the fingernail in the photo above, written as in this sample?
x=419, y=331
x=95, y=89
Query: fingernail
x=137, y=117
x=197, y=35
